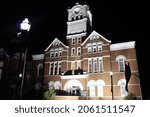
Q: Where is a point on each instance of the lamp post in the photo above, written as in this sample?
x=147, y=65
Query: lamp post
x=25, y=27
x=112, y=91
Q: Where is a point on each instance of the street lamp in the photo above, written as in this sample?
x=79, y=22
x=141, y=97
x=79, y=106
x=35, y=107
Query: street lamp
x=25, y=27
x=112, y=91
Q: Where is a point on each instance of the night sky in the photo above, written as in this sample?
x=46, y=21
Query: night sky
x=116, y=21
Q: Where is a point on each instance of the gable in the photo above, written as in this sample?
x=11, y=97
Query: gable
x=56, y=42
x=96, y=37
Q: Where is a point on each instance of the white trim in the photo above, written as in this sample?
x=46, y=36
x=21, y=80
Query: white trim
x=77, y=21
x=71, y=83
x=55, y=40
x=121, y=46
x=95, y=33
x=75, y=35
x=120, y=56
x=101, y=56
x=38, y=57
x=73, y=76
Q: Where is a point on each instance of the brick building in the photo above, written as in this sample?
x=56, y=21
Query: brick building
x=83, y=65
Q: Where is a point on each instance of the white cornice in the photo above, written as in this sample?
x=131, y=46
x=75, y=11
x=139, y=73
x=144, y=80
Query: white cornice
x=73, y=76
x=76, y=35
x=121, y=46
x=38, y=57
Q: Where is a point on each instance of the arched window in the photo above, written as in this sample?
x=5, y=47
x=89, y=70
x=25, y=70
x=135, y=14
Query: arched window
x=76, y=18
x=57, y=85
x=122, y=84
x=81, y=16
x=51, y=84
x=40, y=70
x=91, y=85
x=72, y=19
x=100, y=91
x=121, y=63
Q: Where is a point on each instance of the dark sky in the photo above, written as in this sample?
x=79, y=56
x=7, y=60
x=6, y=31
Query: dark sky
x=117, y=21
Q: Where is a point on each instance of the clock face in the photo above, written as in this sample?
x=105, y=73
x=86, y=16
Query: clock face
x=76, y=10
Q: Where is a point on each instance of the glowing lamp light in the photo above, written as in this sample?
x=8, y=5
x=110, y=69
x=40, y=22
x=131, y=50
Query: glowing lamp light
x=25, y=25
x=111, y=73
x=20, y=75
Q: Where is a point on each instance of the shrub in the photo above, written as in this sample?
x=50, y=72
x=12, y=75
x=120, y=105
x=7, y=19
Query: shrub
x=130, y=97
x=49, y=94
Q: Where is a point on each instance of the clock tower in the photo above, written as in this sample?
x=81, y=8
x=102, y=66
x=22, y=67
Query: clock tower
x=79, y=21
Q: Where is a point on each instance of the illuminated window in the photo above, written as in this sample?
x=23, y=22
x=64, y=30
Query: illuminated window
x=99, y=48
x=51, y=69
x=59, y=68
x=73, y=51
x=101, y=64
x=51, y=54
x=56, y=54
x=73, y=41
x=55, y=68
x=100, y=91
x=90, y=65
x=89, y=49
x=91, y=86
x=57, y=85
x=60, y=53
x=79, y=51
x=94, y=48
x=51, y=84
x=95, y=65
x=121, y=63
x=122, y=84
x=79, y=40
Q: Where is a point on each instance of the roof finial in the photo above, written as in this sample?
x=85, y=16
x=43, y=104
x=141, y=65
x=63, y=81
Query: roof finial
x=76, y=3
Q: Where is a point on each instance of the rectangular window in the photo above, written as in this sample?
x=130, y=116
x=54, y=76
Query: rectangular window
x=51, y=68
x=79, y=40
x=100, y=91
x=90, y=65
x=99, y=48
x=73, y=65
x=78, y=64
x=56, y=54
x=121, y=67
x=59, y=68
x=89, y=49
x=60, y=53
x=95, y=65
x=92, y=91
x=51, y=54
x=100, y=64
x=73, y=41
x=73, y=51
x=79, y=51
x=94, y=48
x=40, y=71
x=55, y=69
